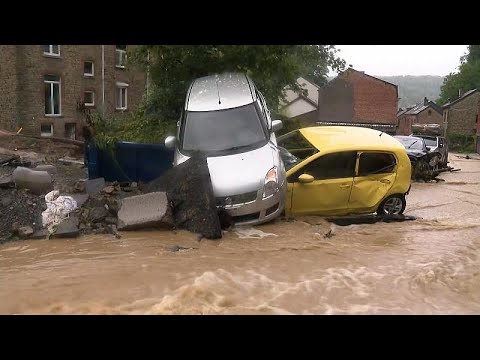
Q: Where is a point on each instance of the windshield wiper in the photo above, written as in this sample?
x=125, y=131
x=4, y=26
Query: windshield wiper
x=233, y=148
x=412, y=144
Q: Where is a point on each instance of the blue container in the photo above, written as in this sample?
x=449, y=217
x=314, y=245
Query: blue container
x=129, y=162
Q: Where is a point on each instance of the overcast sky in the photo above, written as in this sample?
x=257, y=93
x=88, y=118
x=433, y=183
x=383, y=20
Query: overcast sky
x=403, y=59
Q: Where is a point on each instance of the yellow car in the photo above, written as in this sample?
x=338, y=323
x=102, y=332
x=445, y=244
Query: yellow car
x=342, y=170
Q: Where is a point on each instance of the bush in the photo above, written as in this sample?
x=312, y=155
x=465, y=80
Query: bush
x=461, y=143
x=137, y=126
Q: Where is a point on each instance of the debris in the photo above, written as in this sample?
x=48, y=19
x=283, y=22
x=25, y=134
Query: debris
x=109, y=189
x=38, y=182
x=94, y=186
x=251, y=233
x=190, y=193
x=177, y=248
x=52, y=170
x=58, y=208
x=7, y=159
x=143, y=211
x=7, y=182
x=330, y=233
x=68, y=228
x=79, y=186
x=25, y=231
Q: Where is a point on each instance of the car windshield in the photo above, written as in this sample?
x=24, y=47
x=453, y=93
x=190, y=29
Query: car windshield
x=294, y=148
x=411, y=143
x=430, y=142
x=223, y=130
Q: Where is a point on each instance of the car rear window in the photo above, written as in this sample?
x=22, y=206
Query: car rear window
x=430, y=142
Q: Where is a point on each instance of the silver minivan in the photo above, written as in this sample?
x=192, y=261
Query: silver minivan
x=226, y=118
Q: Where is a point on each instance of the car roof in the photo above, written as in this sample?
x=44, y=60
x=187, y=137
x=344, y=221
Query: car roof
x=349, y=138
x=220, y=91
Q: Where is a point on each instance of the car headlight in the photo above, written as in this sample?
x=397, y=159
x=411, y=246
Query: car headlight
x=271, y=182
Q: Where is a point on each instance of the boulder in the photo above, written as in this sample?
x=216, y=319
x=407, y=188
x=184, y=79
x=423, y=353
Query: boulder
x=38, y=182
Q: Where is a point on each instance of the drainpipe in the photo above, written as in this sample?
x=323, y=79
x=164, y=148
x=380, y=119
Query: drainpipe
x=103, y=80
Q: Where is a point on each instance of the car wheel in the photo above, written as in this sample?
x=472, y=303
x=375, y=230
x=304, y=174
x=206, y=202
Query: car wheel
x=392, y=205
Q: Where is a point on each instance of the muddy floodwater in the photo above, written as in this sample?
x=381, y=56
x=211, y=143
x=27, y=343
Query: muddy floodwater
x=427, y=266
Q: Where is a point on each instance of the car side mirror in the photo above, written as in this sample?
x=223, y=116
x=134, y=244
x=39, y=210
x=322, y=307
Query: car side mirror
x=277, y=125
x=305, y=178
x=170, y=142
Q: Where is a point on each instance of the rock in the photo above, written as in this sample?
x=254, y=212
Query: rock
x=6, y=201
x=29, y=202
x=94, y=186
x=38, y=182
x=189, y=190
x=80, y=199
x=133, y=184
x=68, y=228
x=111, y=220
x=109, y=189
x=40, y=234
x=25, y=231
x=52, y=170
x=97, y=214
x=144, y=211
x=80, y=186
x=7, y=182
x=15, y=227
x=113, y=206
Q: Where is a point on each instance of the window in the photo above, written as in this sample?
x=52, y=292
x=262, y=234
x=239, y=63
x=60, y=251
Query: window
x=89, y=98
x=52, y=95
x=331, y=166
x=51, y=50
x=120, y=56
x=88, y=68
x=376, y=163
x=46, y=129
x=121, y=101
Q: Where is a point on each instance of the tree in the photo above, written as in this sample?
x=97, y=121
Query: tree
x=271, y=67
x=467, y=78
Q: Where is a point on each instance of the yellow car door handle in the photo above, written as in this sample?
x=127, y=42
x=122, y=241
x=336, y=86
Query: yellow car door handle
x=345, y=186
x=385, y=181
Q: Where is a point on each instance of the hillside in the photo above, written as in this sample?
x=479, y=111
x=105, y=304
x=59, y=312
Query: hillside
x=412, y=89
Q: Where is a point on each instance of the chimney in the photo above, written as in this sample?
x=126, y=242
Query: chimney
x=425, y=101
x=460, y=92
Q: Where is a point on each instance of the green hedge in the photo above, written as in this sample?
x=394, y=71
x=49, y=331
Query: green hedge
x=461, y=143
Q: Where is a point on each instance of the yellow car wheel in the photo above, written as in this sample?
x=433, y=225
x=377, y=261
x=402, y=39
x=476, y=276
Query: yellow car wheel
x=392, y=205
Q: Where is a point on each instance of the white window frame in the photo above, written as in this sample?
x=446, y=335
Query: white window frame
x=51, y=53
x=123, y=55
x=119, y=88
x=93, y=98
x=92, y=74
x=46, y=134
x=53, y=82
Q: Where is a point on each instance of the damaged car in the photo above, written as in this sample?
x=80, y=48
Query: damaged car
x=424, y=163
x=342, y=170
x=226, y=118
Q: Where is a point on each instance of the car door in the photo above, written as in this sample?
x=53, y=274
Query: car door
x=329, y=191
x=374, y=176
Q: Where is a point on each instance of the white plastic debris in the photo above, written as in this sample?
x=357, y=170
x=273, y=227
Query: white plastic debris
x=58, y=208
x=250, y=233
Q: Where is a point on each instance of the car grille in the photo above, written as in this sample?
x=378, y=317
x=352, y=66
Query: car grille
x=236, y=199
x=245, y=218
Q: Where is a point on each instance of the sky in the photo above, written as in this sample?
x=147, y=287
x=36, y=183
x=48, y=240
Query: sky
x=387, y=60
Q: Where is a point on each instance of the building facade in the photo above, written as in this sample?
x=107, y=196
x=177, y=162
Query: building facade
x=427, y=113
x=45, y=86
x=461, y=115
x=356, y=98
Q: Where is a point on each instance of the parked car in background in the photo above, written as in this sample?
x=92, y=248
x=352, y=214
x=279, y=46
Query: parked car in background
x=423, y=161
x=341, y=170
x=437, y=144
x=226, y=118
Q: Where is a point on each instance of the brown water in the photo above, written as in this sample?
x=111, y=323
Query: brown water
x=427, y=266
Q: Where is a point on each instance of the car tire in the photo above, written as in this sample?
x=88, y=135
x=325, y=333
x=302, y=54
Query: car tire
x=392, y=205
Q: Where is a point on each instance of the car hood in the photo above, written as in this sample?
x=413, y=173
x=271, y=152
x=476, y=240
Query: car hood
x=415, y=153
x=241, y=172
